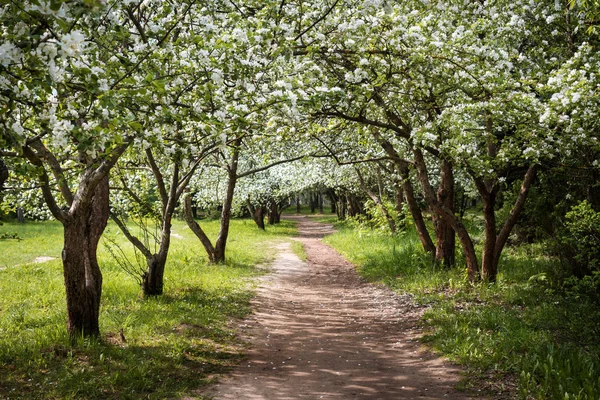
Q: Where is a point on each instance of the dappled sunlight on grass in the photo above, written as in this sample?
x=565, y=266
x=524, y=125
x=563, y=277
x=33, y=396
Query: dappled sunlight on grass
x=522, y=336
x=158, y=347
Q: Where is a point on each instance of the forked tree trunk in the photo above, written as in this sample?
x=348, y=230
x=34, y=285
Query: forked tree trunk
x=258, y=215
x=495, y=242
x=216, y=253
x=221, y=242
x=275, y=210
x=197, y=229
x=444, y=212
x=83, y=278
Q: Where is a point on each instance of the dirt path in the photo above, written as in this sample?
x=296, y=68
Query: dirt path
x=321, y=332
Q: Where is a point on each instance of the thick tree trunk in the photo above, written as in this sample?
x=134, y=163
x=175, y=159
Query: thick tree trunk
x=489, y=268
x=273, y=215
x=153, y=280
x=354, y=206
x=297, y=204
x=445, y=237
x=83, y=278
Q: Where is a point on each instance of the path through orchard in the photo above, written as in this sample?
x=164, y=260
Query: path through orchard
x=319, y=331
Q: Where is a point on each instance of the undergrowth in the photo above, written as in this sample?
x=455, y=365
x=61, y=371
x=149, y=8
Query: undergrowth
x=528, y=336
x=155, y=348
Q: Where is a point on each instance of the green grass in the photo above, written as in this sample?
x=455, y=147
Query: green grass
x=524, y=336
x=298, y=249
x=39, y=239
x=174, y=343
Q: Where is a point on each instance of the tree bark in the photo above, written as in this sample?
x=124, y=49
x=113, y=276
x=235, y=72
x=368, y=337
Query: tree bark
x=445, y=237
x=198, y=231
x=417, y=215
x=398, y=198
x=4, y=174
x=333, y=200
x=257, y=213
x=274, y=212
x=320, y=200
x=495, y=242
x=83, y=278
x=489, y=269
x=221, y=242
x=402, y=167
x=313, y=202
x=153, y=279
x=342, y=207
x=440, y=209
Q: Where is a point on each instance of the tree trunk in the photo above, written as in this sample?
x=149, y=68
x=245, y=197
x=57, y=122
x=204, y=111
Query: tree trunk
x=273, y=214
x=281, y=206
x=333, y=200
x=4, y=174
x=494, y=243
x=354, y=206
x=221, y=243
x=445, y=237
x=257, y=213
x=441, y=210
x=297, y=204
x=489, y=268
x=320, y=199
x=198, y=231
x=398, y=198
x=417, y=215
x=83, y=278
x=341, y=208
x=153, y=280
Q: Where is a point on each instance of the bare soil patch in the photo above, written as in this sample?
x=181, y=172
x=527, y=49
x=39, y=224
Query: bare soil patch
x=319, y=331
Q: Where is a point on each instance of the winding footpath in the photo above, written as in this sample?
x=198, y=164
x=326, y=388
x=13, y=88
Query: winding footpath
x=319, y=331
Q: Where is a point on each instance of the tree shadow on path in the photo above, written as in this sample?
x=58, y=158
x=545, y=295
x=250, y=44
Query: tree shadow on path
x=319, y=331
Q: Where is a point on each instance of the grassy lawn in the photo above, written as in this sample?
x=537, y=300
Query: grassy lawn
x=155, y=348
x=524, y=336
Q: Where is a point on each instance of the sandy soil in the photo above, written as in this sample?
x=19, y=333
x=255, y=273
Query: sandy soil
x=319, y=331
